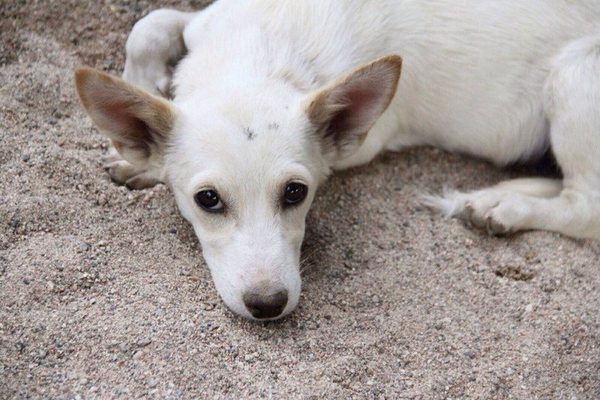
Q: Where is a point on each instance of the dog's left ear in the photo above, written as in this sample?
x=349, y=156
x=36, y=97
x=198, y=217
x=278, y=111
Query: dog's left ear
x=137, y=122
x=345, y=110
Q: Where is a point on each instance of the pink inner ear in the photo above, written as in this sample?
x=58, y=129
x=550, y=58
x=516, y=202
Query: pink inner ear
x=362, y=105
x=114, y=106
x=120, y=120
x=119, y=116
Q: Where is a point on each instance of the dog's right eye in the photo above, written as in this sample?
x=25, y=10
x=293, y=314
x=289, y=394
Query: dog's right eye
x=209, y=201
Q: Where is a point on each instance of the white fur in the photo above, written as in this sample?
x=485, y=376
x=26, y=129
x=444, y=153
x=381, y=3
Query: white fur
x=498, y=80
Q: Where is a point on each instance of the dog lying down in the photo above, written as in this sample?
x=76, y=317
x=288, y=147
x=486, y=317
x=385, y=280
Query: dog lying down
x=246, y=107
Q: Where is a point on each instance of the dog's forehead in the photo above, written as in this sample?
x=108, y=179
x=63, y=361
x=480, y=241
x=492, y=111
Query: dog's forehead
x=243, y=142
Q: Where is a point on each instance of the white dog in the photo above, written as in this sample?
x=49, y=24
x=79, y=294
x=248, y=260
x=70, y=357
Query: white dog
x=268, y=96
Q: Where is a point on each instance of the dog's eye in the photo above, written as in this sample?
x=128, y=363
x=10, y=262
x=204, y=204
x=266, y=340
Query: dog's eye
x=209, y=201
x=294, y=193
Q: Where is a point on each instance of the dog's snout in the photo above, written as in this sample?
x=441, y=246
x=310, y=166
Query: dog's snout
x=264, y=306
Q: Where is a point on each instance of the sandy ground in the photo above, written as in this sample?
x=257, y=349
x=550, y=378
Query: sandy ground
x=104, y=294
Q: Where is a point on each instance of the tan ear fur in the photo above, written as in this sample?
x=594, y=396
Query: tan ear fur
x=346, y=109
x=137, y=122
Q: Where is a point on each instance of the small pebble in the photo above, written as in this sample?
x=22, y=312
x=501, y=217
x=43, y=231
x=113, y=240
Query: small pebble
x=25, y=157
x=102, y=200
x=83, y=247
x=529, y=308
x=20, y=346
x=143, y=342
x=470, y=353
x=482, y=268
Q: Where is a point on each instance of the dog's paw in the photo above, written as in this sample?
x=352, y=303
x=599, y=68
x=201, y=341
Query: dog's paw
x=143, y=180
x=484, y=209
x=494, y=225
x=128, y=174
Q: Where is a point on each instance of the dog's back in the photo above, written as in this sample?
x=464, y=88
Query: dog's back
x=457, y=55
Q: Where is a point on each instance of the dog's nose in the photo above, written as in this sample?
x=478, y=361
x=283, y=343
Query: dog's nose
x=263, y=306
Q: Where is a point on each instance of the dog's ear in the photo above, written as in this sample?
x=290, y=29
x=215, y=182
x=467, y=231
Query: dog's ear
x=137, y=122
x=346, y=109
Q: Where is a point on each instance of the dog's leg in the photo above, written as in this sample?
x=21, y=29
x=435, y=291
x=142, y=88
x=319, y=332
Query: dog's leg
x=153, y=48
x=570, y=207
x=475, y=206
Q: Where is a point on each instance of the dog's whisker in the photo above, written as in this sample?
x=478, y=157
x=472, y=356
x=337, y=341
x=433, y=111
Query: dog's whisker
x=306, y=263
x=305, y=267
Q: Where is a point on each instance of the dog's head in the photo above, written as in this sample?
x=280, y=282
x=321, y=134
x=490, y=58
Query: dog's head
x=244, y=170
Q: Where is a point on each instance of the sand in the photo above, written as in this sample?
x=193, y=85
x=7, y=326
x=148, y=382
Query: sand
x=104, y=293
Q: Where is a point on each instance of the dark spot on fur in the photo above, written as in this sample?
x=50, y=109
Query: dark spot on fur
x=273, y=126
x=249, y=133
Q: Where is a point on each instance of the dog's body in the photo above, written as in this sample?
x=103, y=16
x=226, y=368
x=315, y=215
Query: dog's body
x=264, y=108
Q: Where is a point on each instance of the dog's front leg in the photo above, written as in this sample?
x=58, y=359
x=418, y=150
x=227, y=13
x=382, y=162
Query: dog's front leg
x=153, y=48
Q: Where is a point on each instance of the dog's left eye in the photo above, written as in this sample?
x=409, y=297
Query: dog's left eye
x=209, y=201
x=294, y=193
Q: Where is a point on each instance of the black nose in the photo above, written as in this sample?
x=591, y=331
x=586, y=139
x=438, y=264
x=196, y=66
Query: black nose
x=263, y=306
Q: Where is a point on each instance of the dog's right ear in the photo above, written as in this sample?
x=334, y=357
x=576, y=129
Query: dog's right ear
x=137, y=122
